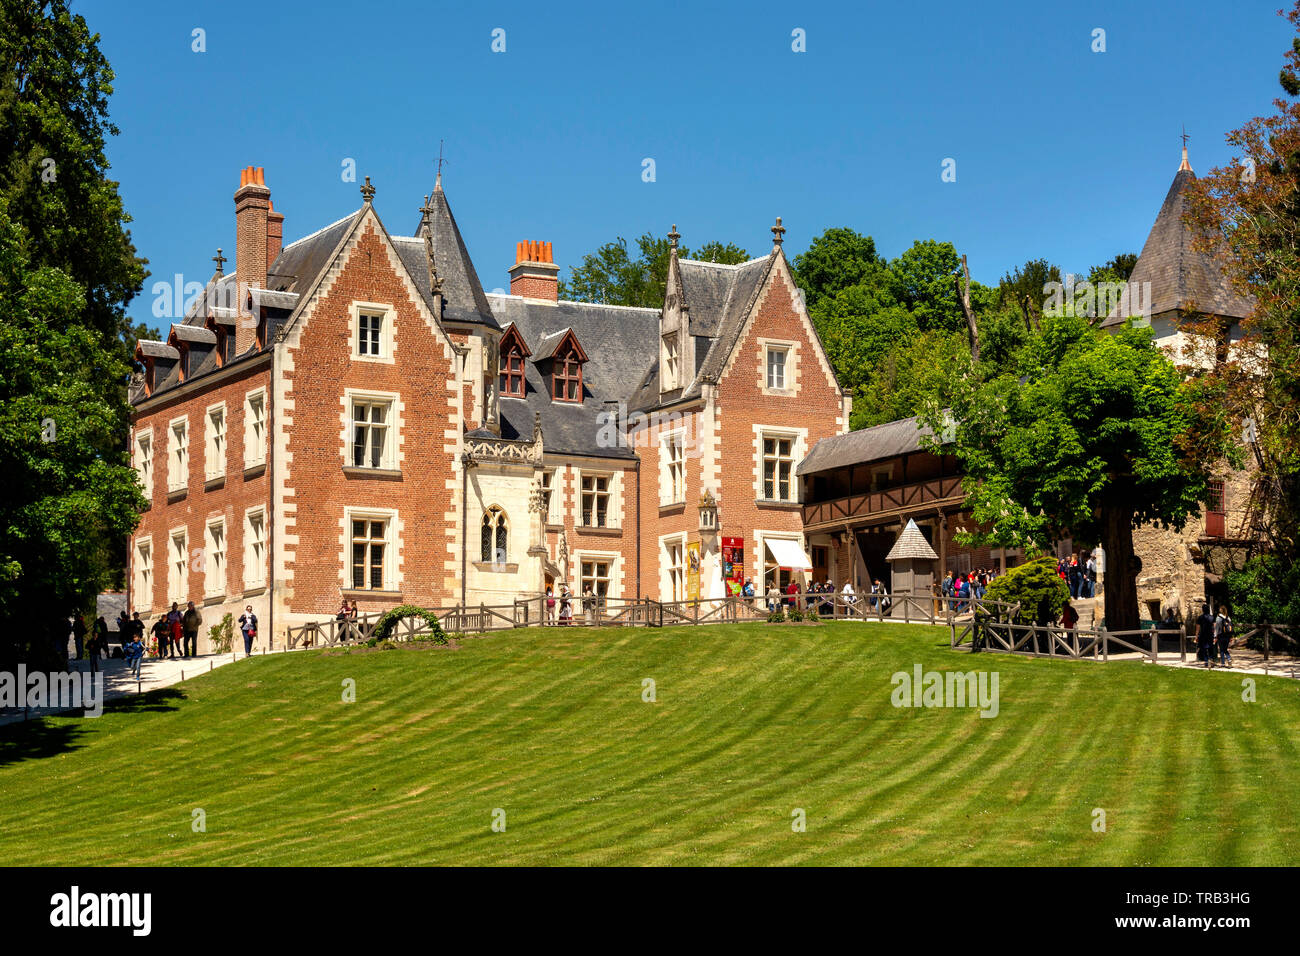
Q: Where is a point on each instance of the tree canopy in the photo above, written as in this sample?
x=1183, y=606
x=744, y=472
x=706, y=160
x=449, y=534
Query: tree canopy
x=612, y=275
x=68, y=496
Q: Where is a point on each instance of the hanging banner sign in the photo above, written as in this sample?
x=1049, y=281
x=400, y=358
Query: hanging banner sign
x=693, y=570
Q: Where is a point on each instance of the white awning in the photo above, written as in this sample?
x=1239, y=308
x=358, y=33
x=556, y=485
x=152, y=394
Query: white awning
x=788, y=554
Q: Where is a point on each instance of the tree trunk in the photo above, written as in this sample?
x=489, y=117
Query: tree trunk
x=1122, y=567
x=963, y=298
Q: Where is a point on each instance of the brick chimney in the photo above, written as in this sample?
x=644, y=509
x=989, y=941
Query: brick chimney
x=252, y=222
x=274, y=234
x=535, y=274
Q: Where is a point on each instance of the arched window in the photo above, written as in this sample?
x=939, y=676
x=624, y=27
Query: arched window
x=496, y=532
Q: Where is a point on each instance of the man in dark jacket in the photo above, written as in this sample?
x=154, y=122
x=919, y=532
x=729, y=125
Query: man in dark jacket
x=190, y=623
x=1205, y=636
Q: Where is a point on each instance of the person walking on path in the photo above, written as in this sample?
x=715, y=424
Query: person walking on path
x=79, y=634
x=248, y=626
x=1223, y=635
x=173, y=632
x=134, y=653
x=191, y=621
x=566, y=605
x=161, y=635
x=1205, y=637
x=98, y=643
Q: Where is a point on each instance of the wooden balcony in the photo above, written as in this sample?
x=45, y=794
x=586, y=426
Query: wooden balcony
x=884, y=505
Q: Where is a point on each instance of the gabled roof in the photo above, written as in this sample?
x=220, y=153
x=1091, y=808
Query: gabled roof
x=719, y=298
x=510, y=334
x=1181, y=278
x=192, y=333
x=865, y=445
x=300, y=263
x=911, y=544
x=549, y=345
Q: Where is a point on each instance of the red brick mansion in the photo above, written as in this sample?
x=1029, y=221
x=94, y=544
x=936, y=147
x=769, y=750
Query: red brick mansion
x=351, y=416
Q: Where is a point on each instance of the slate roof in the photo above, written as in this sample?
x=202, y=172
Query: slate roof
x=152, y=349
x=194, y=333
x=718, y=298
x=911, y=544
x=865, y=445
x=618, y=341
x=463, y=297
x=297, y=266
x=1181, y=278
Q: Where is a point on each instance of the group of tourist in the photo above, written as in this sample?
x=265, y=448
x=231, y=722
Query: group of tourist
x=1081, y=576
x=1213, y=635
x=958, y=589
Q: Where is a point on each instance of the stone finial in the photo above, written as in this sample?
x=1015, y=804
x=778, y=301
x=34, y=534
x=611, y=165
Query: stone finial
x=778, y=232
x=367, y=191
x=673, y=236
x=220, y=260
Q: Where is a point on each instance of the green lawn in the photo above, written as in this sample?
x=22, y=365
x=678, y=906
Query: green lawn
x=751, y=722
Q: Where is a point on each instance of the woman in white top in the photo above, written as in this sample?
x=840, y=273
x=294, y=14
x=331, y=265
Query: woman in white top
x=849, y=596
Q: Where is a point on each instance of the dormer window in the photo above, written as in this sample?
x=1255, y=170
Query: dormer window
x=513, y=351
x=671, y=362
x=512, y=374
x=567, y=377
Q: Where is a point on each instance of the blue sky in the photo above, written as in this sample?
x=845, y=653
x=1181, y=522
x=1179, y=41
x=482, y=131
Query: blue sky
x=1060, y=152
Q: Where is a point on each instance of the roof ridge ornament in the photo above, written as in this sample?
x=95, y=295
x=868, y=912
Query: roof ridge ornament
x=367, y=192
x=673, y=236
x=435, y=281
x=778, y=233
x=220, y=260
x=1185, y=165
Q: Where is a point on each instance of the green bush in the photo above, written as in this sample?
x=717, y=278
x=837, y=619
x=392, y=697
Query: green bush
x=1265, y=591
x=386, y=624
x=795, y=613
x=776, y=615
x=1036, y=586
x=222, y=636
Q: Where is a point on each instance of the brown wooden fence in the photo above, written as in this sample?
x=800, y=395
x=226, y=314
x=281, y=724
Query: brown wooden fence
x=646, y=612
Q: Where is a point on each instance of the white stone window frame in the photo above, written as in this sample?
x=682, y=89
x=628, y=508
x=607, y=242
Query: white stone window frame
x=392, y=542
x=790, y=367
x=254, y=570
x=143, y=594
x=671, y=360
x=667, y=440
x=555, y=504
x=611, y=558
x=798, y=451
x=392, y=459
x=178, y=465
x=214, y=585
x=613, y=503
x=666, y=544
x=254, y=445
x=387, y=331
x=178, y=585
x=214, y=459
x=144, y=460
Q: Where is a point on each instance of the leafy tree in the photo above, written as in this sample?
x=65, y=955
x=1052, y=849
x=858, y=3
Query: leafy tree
x=1248, y=212
x=1024, y=289
x=922, y=282
x=835, y=260
x=68, y=496
x=1118, y=269
x=728, y=253
x=1092, y=435
x=611, y=275
x=916, y=374
x=53, y=128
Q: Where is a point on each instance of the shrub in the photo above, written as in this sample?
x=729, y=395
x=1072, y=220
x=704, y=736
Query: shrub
x=776, y=615
x=386, y=624
x=795, y=614
x=221, y=636
x=1037, y=587
x=1265, y=592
